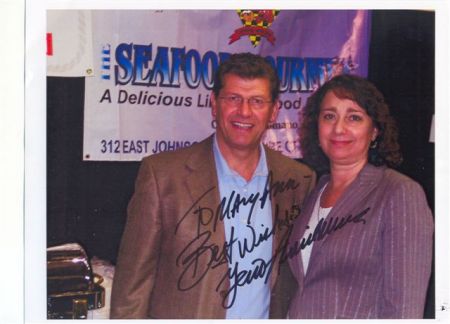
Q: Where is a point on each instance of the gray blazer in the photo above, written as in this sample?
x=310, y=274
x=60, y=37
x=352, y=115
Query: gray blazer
x=372, y=259
x=172, y=259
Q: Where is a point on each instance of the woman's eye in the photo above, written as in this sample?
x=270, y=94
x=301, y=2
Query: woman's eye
x=328, y=116
x=355, y=118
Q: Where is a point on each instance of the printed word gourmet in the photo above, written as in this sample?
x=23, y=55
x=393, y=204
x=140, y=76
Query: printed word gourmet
x=143, y=65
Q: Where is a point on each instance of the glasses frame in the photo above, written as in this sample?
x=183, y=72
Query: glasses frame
x=258, y=104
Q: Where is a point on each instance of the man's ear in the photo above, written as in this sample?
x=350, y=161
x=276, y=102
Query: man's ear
x=275, y=110
x=213, y=105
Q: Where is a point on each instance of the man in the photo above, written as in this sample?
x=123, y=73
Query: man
x=207, y=225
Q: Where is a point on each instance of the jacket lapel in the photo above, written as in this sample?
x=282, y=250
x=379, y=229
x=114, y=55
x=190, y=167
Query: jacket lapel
x=280, y=203
x=364, y=184
x=302, y=223
x=202, y=183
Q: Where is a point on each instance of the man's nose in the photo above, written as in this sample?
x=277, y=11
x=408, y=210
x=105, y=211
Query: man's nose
x=245, y=109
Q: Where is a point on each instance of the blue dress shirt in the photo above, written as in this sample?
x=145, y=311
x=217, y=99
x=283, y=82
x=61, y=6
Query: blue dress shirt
x=248, y=254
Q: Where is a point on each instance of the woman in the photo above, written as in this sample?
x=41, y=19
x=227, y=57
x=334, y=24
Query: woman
x=362, y=247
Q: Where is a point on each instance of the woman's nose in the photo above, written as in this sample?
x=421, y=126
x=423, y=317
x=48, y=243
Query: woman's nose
x=339, y=126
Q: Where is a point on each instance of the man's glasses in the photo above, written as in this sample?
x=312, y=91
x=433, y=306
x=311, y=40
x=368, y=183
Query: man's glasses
x=237, y=101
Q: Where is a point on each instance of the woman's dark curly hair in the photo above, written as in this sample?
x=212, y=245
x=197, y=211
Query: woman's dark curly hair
x=386, y=150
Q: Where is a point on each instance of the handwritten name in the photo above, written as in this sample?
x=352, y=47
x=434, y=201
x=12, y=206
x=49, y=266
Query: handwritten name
x=238, y=278
x=323, y=228
x=201, y=255
x=263, y=268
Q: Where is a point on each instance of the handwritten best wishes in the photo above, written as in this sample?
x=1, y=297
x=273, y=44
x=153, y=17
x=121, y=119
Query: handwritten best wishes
x=201, y=255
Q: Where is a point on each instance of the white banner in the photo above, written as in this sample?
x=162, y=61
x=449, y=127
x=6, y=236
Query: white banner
x=154, y=71
x=69, y=43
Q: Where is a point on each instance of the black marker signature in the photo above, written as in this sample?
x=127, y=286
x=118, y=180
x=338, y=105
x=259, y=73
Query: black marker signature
x=262, y=268
x=201, y=255
x=229, y=207
x=248, y=244
x=238, y=278
x=323, y=228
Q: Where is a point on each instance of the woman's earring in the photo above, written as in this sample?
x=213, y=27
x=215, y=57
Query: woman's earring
x=373, y=144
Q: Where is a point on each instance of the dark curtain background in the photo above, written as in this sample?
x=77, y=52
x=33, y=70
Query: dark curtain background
x=86, y=201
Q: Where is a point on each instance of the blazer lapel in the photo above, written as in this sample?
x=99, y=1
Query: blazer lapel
x=202, y=184
x=280, y=203
x=299, y=229
x=364, y=183
x=309, y=208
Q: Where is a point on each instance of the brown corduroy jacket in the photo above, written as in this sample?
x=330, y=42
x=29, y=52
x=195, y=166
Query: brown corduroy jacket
x=172, y=261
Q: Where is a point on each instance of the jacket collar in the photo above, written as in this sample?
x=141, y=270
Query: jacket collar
x=367, y=179
x=203, y=177
x=369, y=176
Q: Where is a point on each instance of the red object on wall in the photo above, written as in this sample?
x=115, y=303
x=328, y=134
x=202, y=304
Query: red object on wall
x=49, y=44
